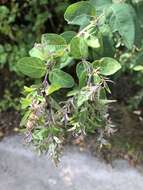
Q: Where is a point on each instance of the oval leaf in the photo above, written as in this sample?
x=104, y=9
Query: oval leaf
x=93, y=42
x=39, y=52
x=65, y=60
x=52, y=88
x=32, y=67
x=52, y=39
x=107, y=66
x=68, y=35
x=79, y=13
x=121, y=19
x=59, y=77
x=53, y=44
x=138, y=68
x=78, y=48
x=100, y=5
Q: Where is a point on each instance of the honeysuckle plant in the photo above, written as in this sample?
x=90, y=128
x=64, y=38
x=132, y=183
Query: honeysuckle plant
x=71, y=75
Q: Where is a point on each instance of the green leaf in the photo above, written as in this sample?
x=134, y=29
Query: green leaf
x=66, y=62
x=41, y=133
x=52, y=88
x=83, y=96
x=68, y=35
x=4, y=11
x=52, y=39
x=29, y=90
x=102, y=94
x=105, y=101
x=138, y=68
x=97, y=79
x=107, y=66
x=78, y=48
x=79, y=13
x=63, y=61
x=54, y=44
x=121, y=19
x=59, y=77
x=73, y=92
x=107, y=48
x=100, y=5
x=79, y=69
x=82, y=74
x=39, y=51
x=25, y=118
x=93, y=42
x=25, y=102
x=32, y=67
x=55, y=130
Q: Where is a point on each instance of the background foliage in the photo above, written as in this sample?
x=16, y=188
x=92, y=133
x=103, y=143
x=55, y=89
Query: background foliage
x=21, y=24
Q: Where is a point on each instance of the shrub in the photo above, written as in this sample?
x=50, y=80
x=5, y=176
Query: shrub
x=70, y=70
